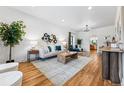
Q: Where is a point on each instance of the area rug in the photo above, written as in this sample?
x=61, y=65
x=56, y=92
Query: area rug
x=59, y=73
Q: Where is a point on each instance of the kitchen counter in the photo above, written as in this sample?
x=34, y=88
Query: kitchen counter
x=108, y=49
x=112, y=64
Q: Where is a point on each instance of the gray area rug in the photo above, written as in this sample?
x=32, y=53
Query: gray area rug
x=59, y=73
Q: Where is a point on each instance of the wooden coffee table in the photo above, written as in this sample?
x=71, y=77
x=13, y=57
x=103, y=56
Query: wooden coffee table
x=65, y=57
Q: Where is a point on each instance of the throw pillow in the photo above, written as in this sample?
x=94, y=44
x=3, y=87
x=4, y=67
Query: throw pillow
x=46, y=50
x=58, y=48
x=52, y=48
x=49, y=48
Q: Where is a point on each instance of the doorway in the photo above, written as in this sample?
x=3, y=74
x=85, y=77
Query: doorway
x=93, y=43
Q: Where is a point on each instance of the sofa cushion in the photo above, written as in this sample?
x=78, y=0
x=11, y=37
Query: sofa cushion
x=50, y=54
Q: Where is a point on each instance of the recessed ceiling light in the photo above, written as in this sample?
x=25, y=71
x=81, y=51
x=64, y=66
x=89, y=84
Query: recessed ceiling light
x=90, y=7
x=81, y=24
x=63, y=20
x=33, y=6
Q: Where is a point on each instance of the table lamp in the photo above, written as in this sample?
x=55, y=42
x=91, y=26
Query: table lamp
x=33, y=43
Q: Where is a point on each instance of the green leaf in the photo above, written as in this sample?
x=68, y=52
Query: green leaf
x=12, y=34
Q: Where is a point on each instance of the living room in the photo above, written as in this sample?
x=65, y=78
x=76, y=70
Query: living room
x=50, y=30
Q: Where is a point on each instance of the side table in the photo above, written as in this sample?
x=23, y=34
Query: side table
x=32, y=52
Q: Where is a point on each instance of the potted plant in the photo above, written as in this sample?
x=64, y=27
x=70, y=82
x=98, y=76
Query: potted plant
x=11, y=35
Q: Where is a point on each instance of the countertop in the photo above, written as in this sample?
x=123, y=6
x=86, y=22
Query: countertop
x=109, y=49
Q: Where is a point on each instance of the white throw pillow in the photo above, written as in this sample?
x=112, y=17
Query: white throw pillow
x=46, y=50
x=62, y=48
x=52, y=48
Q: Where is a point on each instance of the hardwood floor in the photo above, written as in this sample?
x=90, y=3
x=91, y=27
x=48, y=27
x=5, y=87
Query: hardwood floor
x=90, y=75
x=32, y=76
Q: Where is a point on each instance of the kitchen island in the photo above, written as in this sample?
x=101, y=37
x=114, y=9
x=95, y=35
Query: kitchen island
x=112, y=66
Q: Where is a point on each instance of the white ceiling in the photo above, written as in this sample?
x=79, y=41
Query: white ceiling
x=73, y=16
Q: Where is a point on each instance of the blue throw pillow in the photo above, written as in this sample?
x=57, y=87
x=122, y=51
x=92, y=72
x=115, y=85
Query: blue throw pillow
x=58, y=48
x=49, y=48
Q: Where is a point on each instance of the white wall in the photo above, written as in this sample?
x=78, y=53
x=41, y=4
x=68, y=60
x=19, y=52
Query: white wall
x=85, y=40
x=102, y=32
x=99, y=32
x=35, y=28
x=119, y=22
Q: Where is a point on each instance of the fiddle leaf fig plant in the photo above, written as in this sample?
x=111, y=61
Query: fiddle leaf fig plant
x=12, y=34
